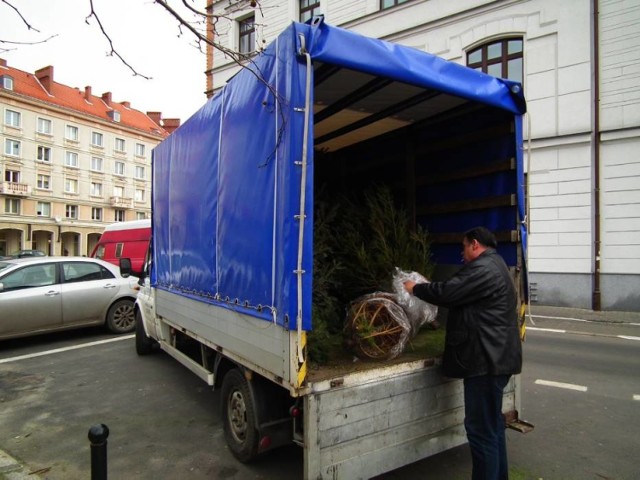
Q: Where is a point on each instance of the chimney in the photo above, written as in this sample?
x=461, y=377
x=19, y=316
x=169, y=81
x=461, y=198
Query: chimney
x=3, y=62
x=87, y=93
x=171, y=124
x=156, y=117
x=126, y=104
x=45, y=76
x=106, y=98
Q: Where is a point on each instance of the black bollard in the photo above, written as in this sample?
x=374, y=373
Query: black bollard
x=98, y=437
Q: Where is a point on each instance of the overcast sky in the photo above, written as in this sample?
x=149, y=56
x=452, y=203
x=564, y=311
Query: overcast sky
x=142, y=32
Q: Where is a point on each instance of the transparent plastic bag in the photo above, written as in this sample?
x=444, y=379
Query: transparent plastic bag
x=418, y=311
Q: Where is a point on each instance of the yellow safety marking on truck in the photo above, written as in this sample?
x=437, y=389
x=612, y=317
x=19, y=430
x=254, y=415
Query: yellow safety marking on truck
x=523, y=322
x=302, y=367
x=302, y=374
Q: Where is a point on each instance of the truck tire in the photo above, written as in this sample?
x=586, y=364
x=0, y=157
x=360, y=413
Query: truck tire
x=238, y=416
x=144, y=344
x=121, y=318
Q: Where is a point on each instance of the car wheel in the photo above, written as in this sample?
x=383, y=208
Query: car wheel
x=238, y=417
x=144, y=345
x=121, y=318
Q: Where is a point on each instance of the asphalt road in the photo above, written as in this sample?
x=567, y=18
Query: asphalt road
x=163, y=420
x=580, y=387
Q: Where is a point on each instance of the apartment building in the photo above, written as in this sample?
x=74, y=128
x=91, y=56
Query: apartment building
x=579, y=63
x=71, y=163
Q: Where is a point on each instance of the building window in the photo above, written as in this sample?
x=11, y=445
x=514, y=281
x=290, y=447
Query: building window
x=71, y=211
x=44, y=182
x=140, y=150
x=140, y=216
x=139, y=172
x=12, y=147
x=139, y=195
x=118, y=192
x=71, y=159
x=12, y=206
x=72, y=133
x=44, y=209
x=7, y=82
x=114, y=115
x=12, y=176
x=118, y=215
x=44, y=126
x=501, y=58
x=247, y=40
x=12, y=118
x=44, y=154
x=96, y=189
x=70, y=185
x=384, y=4
x=120, y=145
x=96, y=164
x=97, y=139
x=308, y=9
x=96, y=214
x=119, y=168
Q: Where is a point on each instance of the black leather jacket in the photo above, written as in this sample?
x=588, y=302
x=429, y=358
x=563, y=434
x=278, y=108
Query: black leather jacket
x=482, y=327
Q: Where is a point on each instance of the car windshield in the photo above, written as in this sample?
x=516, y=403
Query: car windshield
x=28, y=253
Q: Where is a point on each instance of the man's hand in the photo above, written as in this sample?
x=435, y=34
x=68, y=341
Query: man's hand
x=408, y=285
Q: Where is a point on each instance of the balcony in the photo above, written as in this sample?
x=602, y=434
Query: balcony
x=121, y=202
x=17, y=189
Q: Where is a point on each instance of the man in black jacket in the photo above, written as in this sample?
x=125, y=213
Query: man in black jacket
x=482, y=344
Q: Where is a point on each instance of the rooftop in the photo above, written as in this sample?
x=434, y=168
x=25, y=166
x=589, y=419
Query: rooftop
x=41, y=86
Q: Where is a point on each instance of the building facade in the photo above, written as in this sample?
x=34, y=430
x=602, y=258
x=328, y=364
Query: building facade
x=579, y=62
x=71, y=162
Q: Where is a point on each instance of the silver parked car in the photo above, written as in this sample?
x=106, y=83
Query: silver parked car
x=45, y=294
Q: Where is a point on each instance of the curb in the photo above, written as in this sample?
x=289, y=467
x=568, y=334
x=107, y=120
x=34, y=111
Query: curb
x=12, y=469
x=566, y=313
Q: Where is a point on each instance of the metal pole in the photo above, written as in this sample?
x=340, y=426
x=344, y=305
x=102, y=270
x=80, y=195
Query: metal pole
x=98, y=437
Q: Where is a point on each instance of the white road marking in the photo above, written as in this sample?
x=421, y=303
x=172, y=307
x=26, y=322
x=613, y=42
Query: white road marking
x=555, y=330
x=65, y=349
x=636, y=397
x=568, y=386
x=561, y=318
x=628, y=337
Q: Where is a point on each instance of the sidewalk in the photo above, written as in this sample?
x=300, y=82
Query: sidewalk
x=588, y=322
x=602, y=316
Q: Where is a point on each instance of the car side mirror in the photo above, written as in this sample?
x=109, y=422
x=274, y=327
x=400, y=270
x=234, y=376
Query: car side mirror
x=1, y=287
x=125, y=267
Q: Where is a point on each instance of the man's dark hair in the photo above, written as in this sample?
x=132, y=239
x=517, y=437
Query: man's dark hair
x=482, y=235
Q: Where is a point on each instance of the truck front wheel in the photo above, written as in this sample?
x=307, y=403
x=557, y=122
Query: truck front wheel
x=144, y=344
x=238, y=416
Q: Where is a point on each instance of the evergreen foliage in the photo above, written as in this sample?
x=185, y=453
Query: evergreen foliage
x=358, y=242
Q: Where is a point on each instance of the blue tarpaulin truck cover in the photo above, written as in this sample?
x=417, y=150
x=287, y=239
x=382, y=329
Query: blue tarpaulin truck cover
x=232, y=192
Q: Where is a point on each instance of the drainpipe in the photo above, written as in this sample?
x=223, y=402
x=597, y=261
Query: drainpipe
x=209, y=49
x=596, y=303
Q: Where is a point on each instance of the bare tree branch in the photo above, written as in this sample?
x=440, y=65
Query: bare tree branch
x=29, y=26
x=28, y=43
x=239, y=58
x=236, y=56
x=243, y=60
x=198, y=12
x=113, y=49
